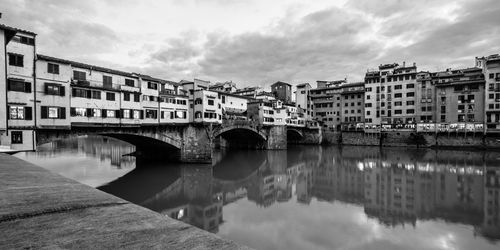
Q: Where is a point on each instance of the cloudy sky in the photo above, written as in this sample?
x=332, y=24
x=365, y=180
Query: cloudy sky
x=258, y=42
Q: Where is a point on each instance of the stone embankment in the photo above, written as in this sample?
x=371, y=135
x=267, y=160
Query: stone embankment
x=412, y=139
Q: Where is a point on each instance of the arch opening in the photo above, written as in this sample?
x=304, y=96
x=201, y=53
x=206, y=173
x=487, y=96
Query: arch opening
x=240, y=138
x=145, y=146
x=293, y=136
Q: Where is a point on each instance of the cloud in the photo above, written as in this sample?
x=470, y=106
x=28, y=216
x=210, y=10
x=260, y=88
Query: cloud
x=257, y=42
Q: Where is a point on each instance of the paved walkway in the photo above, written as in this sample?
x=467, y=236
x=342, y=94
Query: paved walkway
x=40, y=209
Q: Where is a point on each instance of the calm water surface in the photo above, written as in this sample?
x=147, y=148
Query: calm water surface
x=308, y=197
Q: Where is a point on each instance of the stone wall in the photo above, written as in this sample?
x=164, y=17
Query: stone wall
x=330, y=137
x=360, y=138
x=196, y=146
x=411, y=139
x=311, y=136
x=277, y=138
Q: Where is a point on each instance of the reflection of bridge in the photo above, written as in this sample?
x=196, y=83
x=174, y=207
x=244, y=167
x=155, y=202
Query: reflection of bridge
x=193, y=142
x=416, y=185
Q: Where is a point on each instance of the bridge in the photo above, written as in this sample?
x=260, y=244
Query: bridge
x=193, y=142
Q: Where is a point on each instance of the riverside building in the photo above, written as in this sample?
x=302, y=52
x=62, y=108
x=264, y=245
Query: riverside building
x=352, y=98
x=490, y=66
x=390, y=99
x=18, y=93
x=326, y=99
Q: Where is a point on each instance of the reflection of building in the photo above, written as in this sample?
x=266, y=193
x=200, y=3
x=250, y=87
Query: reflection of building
x=107, y=149
x=490, y=227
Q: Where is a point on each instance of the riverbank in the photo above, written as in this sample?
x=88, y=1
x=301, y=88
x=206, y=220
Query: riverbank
x=412, y=139
x=41, y=209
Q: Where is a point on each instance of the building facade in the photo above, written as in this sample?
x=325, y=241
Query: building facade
x=282, y=91
x=490, y=66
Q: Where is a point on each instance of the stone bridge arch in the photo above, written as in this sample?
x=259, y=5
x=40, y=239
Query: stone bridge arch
x=226, y=129
x=294, y=131
x=151, y=143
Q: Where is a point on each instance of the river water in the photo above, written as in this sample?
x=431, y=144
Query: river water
x=308, y=197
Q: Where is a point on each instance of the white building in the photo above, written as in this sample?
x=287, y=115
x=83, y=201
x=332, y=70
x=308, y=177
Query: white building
x=20, y=96
x=207, y=107
x=53, y=93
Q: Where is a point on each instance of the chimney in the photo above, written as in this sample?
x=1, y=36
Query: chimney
x=404, y=63
x=414, y=64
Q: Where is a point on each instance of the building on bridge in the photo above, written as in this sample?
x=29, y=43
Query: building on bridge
x=282, y=91
x=18, y=92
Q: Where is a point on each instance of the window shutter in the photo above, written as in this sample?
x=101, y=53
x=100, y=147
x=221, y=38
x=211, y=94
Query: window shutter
x=73, y=92
x=72, y=111
x=46, y=88
x=141, y=114
x=62, y=91
x=118, y=113
x=28, y=113
x=104, y=113
x=89, y=94
x=89, y=112
x=62, y=113
x=131, y=114
x=9, y=82
x=27, y=87
x=45, y=112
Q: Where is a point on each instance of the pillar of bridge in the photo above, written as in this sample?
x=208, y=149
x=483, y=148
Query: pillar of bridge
x=277, y=138
x=196, y=146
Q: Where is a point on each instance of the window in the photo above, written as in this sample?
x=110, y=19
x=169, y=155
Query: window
x=126, y=97
x=19, y=86
x=398, y=87
x=151, y=113
x=110, y=96
x=53, y=112
x=81, y=93
x=96, y=94
x=137, y=114
x=16, y=113
x=398, y=95
x=53, y=68
x=111, y=113
x=137, y=97
x=410, y=111
x=54, y=89
x=96, y=112
x=16, y=60
x=26, y=40
x=16, y=137
x=79, y=75
x=126, y=113
x=223, y=99
x=129, y=82
x=152, y=85
x=410, y=86
x=107, y=82
x=398, y=111
x=398, y=103
x=492, y=75
x=410, y=94
x=410, y=102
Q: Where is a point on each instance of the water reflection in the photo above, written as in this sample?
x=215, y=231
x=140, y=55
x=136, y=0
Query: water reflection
x=325, y=197
x=92, y=160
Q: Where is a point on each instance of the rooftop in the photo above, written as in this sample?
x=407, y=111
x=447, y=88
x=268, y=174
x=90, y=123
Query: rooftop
x=281, y=83
x=6, y=27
